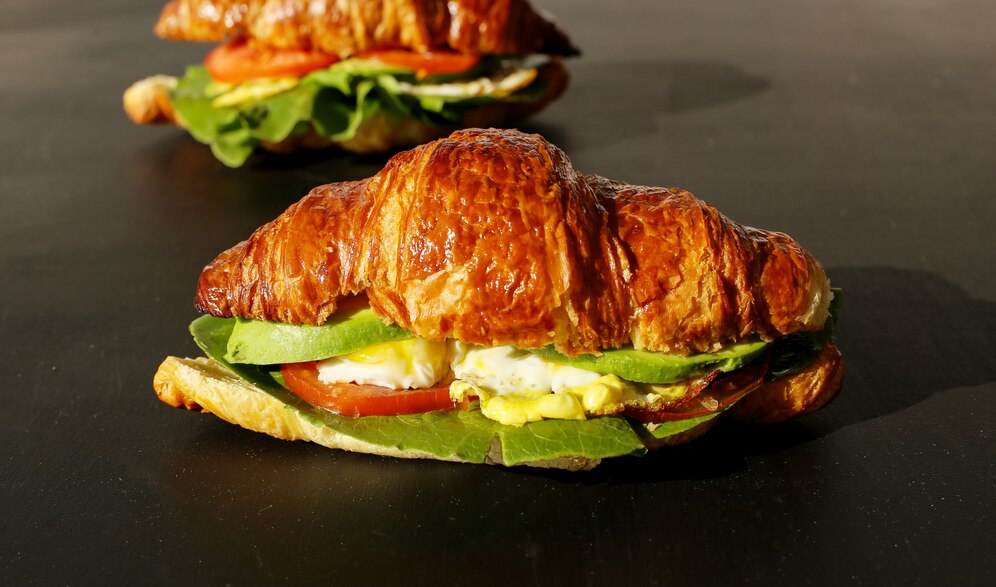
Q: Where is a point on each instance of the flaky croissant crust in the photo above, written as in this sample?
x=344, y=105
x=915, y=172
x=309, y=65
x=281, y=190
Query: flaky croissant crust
x=347, y=27
x=492, y=237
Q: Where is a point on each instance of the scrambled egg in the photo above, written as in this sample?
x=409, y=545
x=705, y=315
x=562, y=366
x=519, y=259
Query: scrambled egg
x=513, y=386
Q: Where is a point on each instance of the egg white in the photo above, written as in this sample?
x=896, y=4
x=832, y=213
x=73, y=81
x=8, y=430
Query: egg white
x=404, y=364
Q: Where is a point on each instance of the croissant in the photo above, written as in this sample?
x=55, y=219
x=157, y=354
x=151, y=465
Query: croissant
x=492, y=237
x=346, y=27
x=364, y=75
x=490, y=242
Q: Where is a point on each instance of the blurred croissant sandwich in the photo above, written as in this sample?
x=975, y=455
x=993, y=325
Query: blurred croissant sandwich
x=480, y=300
x=366, y=75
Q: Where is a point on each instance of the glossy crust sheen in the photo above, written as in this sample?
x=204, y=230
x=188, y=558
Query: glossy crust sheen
x=347, y=27
x=492, y=237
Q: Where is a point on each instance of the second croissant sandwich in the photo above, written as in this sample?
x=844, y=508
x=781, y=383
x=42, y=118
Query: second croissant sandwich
x=365, y=75
x=480, y=300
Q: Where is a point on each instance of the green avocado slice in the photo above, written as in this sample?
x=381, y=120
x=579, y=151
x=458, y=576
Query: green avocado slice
x=258, y=342
x=789, y=355
x=650, y=367
x=268, y=343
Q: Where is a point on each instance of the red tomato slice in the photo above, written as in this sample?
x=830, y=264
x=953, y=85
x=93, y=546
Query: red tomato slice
x=351, y=399
x=428, y=63
x=238, y=61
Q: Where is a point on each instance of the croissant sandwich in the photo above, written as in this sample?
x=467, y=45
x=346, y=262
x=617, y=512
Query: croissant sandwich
x=366, y=75
x=480, y=300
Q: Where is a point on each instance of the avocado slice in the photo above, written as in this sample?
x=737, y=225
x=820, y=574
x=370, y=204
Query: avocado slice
x=356, y=327
x=650, y=367
x=258, y=342
x=789, y=355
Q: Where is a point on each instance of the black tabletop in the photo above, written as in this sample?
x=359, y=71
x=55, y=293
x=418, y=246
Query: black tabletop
x=864, y=129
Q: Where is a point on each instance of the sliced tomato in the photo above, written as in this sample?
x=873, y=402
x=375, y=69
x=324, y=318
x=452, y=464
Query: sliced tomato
x=351, y=399
x=427, y=63
x=238, y=61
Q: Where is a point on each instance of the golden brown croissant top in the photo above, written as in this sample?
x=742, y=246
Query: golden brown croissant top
x=346, y=27
x=492, y=237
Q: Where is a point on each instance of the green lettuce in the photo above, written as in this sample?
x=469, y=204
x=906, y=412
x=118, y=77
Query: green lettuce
x=661, y=430
x=332, y=102
x=794, y=352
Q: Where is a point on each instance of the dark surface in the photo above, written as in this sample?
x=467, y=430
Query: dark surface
x=864, y=129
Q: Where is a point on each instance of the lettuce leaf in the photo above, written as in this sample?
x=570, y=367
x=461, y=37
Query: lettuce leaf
x=661, y=430
x=794, y=352
x=333, y=102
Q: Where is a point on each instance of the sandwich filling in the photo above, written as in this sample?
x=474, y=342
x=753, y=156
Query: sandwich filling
x=554, y=407
x=358, y=365
x=513, y=386
x=242, y=97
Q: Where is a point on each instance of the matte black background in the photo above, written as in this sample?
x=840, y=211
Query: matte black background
x=865, y=129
